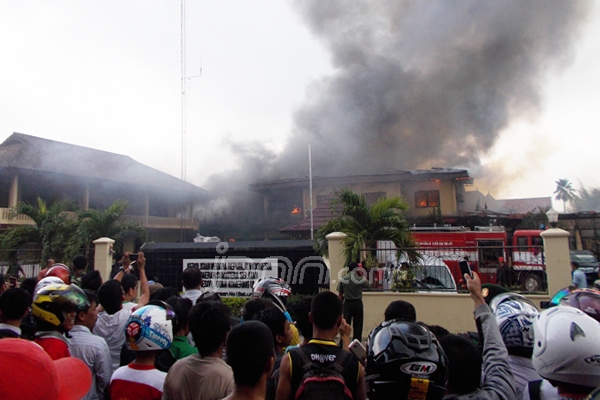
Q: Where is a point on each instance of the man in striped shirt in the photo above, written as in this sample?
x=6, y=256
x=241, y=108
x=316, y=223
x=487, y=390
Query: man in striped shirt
x=91, y=349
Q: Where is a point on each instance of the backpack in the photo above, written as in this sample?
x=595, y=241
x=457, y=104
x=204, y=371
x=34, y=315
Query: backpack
x=324, y=383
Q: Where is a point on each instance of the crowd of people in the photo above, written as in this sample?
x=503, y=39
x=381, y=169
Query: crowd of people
x=67, y=335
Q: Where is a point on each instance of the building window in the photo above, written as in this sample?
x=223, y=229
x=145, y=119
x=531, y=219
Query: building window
x=430, y=198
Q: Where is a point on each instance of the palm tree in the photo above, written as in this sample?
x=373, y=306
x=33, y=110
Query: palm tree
x=93, y=224
x=364, y=225
x=564, y=192
x=588, y=199
x=51, y=228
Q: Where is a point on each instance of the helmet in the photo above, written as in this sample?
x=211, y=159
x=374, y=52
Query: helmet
x=401, y=352
x=149, y=328
x=559, y=297
x=567, y=348
x=514, y=315
x=61, y=271
x=274, y=287
x=50, y=302
x=51, y=280
x=586, y=300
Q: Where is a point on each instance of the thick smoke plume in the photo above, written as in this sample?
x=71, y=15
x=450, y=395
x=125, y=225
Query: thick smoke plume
x=419, y=84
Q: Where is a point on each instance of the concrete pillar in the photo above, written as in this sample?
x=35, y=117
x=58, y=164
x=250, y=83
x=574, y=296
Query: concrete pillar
x=337, y=261
x=558, y=261
x=13, y=197
x=103, y=257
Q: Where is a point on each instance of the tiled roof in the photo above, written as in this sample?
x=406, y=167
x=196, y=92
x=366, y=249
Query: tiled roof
x=524, y=206
x=34, y=154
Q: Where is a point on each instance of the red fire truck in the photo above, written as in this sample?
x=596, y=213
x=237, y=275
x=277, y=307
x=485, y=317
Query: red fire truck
x=488, y=250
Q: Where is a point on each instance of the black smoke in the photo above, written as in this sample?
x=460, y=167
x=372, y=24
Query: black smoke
x=417, y=84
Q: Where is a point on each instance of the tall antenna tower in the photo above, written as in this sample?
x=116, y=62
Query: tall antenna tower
x=183, y=89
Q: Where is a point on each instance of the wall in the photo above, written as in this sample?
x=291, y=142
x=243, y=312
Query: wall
x=404, y=189
x=447, y=196
x=453, y=311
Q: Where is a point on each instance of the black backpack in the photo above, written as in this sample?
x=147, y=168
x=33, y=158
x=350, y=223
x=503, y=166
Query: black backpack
x=324, y=383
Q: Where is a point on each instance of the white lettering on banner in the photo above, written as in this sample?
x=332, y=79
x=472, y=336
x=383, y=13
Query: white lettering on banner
x=233, y=276
x=322, y=358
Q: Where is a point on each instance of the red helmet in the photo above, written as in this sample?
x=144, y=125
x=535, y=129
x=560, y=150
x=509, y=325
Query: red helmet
x=60, y=271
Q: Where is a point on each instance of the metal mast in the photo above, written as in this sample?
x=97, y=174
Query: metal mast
x=310, y=192
x=183, y=88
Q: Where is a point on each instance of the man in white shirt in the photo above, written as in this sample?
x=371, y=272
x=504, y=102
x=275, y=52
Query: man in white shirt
x=14, y=304
x=579, y=279
x=113, y=318
x=129, y=283
x=192, y=280
x=91, y=349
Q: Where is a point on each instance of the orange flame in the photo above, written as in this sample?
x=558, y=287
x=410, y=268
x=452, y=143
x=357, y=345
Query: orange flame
x=296, y=210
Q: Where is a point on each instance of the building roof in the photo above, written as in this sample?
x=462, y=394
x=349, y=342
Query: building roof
x=34, y=154
x=224, y=247
x=524, y=206
x=391, y=176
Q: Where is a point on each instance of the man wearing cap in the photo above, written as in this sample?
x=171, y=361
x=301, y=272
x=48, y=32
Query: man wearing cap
x=350, y=290
x=504, y=277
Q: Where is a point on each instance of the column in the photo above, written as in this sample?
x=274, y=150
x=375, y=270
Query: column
x=558, y=260
x=336, y=258
x=103, y=256
x=13, y=197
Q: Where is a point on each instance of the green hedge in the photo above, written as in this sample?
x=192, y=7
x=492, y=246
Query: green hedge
x=236, y=304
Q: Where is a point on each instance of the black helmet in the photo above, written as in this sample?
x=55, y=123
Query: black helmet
x=405, y=361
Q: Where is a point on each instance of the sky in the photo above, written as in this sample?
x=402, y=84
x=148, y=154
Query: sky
x=107, y=75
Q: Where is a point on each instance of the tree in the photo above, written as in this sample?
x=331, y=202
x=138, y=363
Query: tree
x=93, y=224
x=364, y=225
x=564, y=192
x=62, y=237
x=587, y=199
x=51, y=230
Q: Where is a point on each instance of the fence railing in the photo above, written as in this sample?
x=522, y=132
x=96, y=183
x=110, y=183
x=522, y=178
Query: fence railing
x=516, y=268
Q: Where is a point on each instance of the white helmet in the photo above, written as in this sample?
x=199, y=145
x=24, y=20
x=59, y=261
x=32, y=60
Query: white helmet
x=515, y=315
x=149, y=328
x=47, y=281
x=567, y=346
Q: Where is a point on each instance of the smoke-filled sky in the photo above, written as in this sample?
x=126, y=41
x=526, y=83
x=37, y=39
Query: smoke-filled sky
x=507, y=89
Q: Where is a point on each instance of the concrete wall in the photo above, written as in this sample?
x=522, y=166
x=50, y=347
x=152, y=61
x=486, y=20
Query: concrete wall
x=404, y=189
x=453, y=311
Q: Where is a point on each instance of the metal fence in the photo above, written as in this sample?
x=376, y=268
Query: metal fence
x=437, y=269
